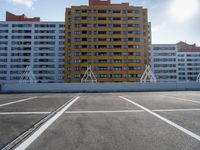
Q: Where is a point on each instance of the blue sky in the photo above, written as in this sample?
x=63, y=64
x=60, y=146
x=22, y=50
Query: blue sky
x=172, y=20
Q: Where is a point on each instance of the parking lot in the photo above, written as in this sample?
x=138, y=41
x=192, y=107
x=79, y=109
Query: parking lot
x=101, y=121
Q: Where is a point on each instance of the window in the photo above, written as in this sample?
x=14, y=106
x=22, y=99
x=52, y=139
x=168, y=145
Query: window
x=102, y=11
x=116, y=25
x=3, y=25
x=117, y=54
x=77, y=18
x=103, y=75
x=117, y=46
x=22, y=25
x=116, y=75
x=116, y=32
x=116, y=18
x=83, y=25
x=76, y=75
x=103, y=68
x=102, y=18
x=77, y=11
x=77, y=39
x=3, y=43
x=77, y=61
x=84, y=11
x=102, y=25
x=129, y=11
x=117, y=61
x=101, y=32
x=77, y=32
x=3, y=31
x=3, y=37
x=84, y=18
x=117, y=68
x=116, y=11
x=77, y=25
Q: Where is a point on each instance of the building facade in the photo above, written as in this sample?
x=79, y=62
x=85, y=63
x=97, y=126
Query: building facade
x=29, y=42
x=111, y=38
x=188, y=62
x=163, y=60
x=175, y=62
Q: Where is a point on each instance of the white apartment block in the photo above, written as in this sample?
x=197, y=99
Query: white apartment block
x=188, y=65
x=175, y=62
x=163, y=62
x=36, y=44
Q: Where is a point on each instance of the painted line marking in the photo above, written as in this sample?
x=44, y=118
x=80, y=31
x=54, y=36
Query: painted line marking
x=164, y=119
x=175, y=110
x=18, y=101
x=182, y=99
x=102, y=111
x=24, y=113
x=40, y=130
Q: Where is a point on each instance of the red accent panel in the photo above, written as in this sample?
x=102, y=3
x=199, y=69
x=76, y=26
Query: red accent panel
x=12, y=17
x=105, y=3
x=99, y=2
x=184, y=47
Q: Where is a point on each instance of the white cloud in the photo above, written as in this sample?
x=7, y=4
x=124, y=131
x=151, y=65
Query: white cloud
x=27, y=3
x=156, y=28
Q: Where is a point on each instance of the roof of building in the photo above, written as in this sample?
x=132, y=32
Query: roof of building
x=23, y=17
x=105, y=3
x=185, y=47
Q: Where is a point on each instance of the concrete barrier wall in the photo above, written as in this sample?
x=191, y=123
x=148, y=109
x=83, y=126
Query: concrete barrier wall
x=0, y=87
x=98, y=87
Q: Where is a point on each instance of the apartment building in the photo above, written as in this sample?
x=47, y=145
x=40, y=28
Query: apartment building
x=175, y=62
x=188, y=62
x=30, y=42
x=163, y=60
x=111, y=38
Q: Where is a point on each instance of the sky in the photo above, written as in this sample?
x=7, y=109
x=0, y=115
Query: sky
x=172, y=20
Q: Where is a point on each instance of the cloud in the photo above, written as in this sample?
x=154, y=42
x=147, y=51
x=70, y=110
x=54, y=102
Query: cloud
x=27, y=3
x=156, y=28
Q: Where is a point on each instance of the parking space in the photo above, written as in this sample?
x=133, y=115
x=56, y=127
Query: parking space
x=13, y=125
x=160, y=100
x=134, y=120
x=112, y=131
x=187, y=119
x=39, y=104
x=20, y=112
x=6, y=98
x=100, y=102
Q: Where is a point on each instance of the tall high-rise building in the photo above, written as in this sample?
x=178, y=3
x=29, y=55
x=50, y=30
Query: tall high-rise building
x=111, y=38
x=30, y=42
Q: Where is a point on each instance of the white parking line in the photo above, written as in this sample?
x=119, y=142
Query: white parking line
x=100, y=111
x=164, y=119
x=18, y=101
x=36, y=134
x=103, y=111
x=182, y=99
x=175, y=110
x=24, y=113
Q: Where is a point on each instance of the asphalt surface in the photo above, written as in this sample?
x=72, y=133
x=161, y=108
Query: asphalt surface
x=104, y=121
x=13, y=124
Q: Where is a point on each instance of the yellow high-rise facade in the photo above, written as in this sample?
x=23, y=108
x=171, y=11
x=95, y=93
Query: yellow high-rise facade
x=111, y=38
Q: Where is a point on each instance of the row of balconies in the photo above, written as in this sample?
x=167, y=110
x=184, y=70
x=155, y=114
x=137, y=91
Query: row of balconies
x=108, y=54
x=106, y=68
x=107, y=61
x=133, y=39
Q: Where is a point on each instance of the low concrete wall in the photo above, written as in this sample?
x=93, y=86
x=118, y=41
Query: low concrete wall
x=98, y=87
x=1, y=87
